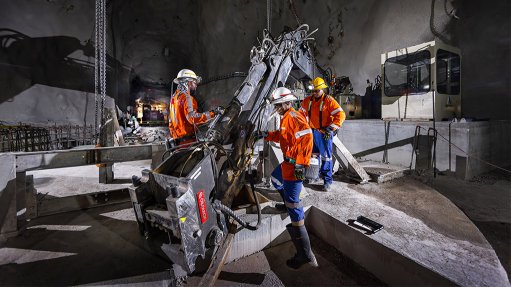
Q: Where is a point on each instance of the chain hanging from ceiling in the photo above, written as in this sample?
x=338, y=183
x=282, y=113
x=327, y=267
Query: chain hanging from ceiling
x=100, y=67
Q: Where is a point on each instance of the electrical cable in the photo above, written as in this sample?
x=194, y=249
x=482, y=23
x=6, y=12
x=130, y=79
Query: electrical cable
x=433, y=27
x=293, y=9
x=452, y=13
x=268, y=15
x=186, y=162
x=215, y=171
x=220, y=147
x=224, y=77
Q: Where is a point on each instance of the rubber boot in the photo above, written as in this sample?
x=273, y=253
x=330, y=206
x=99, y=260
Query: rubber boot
x=281, y=206
x=304, y=254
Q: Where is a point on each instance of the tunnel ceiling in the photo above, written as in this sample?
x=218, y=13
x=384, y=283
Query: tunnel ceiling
x=154, y=37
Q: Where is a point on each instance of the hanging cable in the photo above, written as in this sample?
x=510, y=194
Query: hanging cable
x=451, y=13
x=433, y=27
x=293, y=9
x=268, y=16
x=224, y=77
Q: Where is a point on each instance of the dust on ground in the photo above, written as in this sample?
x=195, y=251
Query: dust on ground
x=419, y=201
x=486, y=200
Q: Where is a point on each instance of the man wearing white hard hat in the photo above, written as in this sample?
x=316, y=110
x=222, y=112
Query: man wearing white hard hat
x=295, y=138
x=183, y=115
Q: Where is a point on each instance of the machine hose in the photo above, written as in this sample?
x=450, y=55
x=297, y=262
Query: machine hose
x=227, y=211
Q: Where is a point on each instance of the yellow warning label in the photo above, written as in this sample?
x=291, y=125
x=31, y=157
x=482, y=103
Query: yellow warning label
x=183, y=219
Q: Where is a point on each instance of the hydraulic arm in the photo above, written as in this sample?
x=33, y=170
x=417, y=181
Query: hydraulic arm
x=186, y=200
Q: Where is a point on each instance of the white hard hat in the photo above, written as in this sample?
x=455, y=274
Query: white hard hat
x=186, y=74
x=282, y=95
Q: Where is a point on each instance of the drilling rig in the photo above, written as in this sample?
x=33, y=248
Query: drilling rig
x=187, y=199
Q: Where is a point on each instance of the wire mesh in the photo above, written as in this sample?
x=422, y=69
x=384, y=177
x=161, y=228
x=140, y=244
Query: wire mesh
x=57, y=137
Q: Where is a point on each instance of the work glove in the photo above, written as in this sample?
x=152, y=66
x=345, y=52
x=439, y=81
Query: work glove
x=261, y=134
x=299, y=172
x=328, y=133
x=169, y=143
x=219, y=110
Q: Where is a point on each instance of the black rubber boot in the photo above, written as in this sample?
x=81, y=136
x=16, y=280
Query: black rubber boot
x=304, y=254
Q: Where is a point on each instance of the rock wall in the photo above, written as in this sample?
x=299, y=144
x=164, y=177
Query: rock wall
x=46, y=65
x=153, y=40
x=353, y=34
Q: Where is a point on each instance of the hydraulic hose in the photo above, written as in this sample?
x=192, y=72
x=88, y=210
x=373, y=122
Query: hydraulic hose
x=227, y=211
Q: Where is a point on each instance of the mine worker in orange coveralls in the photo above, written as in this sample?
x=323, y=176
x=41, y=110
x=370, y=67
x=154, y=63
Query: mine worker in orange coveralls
x=183, y=115
x=295, y=138
x=325, y=117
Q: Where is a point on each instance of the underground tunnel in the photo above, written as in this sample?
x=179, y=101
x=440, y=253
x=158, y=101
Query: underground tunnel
x=255, y=143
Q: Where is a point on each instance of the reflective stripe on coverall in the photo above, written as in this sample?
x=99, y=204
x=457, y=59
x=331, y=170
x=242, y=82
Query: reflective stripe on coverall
x=295, y=138
x=324, y=149
x=322, y=113
x=183, y=115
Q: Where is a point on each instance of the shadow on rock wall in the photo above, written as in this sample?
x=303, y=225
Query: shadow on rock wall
x=26, y=61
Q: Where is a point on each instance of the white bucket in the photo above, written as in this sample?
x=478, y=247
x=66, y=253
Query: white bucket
x=312, y=171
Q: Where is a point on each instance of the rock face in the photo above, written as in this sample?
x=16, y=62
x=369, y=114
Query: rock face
x=153, y=40
x=146, y=135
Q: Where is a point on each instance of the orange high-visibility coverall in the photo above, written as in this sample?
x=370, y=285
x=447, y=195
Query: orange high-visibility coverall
x=183, y=115
x=324, y=116
x=326, y=108
x=295, y=138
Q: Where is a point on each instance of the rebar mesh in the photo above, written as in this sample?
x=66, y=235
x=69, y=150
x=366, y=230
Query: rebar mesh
x=29, y=138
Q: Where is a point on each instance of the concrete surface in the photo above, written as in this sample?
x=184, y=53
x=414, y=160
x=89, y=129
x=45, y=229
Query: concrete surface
x=78, y=248
x=478, y=142
x=420, y=224
x=8, y=224
x=486, y=201
x=334, y=269
x=267, y=268
x=103, y=244
x=78, y=180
